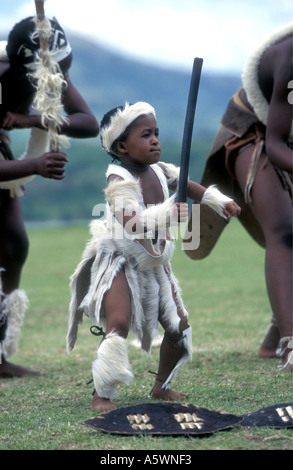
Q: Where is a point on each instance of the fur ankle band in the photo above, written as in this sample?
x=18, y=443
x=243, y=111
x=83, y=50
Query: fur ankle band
x=111, y=367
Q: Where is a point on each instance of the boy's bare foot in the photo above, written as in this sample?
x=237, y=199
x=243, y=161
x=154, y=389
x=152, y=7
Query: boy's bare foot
x=8, y=370
x=166, y=394
x=270, y=342
x=102, y=405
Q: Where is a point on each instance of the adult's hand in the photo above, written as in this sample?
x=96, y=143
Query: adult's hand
x=51, y=165
x=20, y=121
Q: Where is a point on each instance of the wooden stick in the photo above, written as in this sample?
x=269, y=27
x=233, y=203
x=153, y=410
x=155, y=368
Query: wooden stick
x=188, y=128
x=40, y=9
x=47, y=63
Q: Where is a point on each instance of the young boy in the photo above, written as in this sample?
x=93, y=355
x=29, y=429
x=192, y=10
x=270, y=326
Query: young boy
x=125, y=281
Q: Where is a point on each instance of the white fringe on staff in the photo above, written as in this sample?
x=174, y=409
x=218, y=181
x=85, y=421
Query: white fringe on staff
x=50, y=82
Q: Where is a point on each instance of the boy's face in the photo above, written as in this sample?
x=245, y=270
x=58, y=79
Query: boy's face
x=142, y=144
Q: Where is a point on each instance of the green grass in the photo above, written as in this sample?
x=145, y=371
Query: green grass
x=229, y=312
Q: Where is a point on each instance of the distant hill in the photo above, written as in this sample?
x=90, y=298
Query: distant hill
x=107, y=79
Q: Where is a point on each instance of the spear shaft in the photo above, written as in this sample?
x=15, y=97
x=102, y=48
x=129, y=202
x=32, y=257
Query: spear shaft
x=41, y=16
x=188, y=128
x=50, y=82
x=40, y=9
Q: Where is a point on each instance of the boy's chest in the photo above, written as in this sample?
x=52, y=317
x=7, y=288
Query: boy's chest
x=151, y=189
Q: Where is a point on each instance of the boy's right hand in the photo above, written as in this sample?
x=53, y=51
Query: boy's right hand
x=180, y=212
x=51, y=165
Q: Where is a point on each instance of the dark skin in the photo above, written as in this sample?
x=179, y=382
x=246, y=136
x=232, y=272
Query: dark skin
x=17, y=97
x=141, y=149
x=271, y=204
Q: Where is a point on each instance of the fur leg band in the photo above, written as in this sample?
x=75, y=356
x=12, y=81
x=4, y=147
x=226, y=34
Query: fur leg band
x=185, y=344
x=111, y=367
x=15, y=306
x=285, y=352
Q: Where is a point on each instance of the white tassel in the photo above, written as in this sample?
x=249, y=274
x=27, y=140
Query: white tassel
x=215, y=200
x=50, y=80
x=111, y=367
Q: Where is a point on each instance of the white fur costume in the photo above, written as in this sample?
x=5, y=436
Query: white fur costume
x=147, y=270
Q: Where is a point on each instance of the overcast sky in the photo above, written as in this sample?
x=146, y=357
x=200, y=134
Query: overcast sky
x=166, y=32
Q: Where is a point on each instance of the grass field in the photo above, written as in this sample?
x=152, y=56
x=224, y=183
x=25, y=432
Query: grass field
x=229, y=312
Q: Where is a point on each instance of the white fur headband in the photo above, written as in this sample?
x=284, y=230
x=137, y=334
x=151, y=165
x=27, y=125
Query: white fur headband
x=121, y=120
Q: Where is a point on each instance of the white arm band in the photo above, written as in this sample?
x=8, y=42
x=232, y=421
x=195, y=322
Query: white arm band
x=215, y=200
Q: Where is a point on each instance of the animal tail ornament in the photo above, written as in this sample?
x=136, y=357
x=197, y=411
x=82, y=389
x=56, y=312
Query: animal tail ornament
x=50, y=83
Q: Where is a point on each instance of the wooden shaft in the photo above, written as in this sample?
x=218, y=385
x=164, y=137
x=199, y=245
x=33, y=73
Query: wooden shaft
x=188, y=128
x=40, y=9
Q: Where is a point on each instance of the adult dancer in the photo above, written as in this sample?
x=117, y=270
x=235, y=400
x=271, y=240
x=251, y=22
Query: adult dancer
x=18, y=86
x=251, y=160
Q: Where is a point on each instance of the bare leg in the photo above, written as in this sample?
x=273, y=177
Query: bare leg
x=116, y=304
x=273, y=210
x=270, y=343
x=13, y=241
x=170, y=353
x=172, y=350
x=13, y=254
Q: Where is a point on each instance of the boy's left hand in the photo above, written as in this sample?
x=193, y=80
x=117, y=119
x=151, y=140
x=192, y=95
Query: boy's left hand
x=231, y=209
